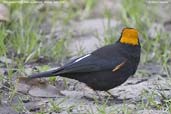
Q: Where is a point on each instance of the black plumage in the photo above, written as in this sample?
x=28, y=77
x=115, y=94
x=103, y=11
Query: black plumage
x=103, y=69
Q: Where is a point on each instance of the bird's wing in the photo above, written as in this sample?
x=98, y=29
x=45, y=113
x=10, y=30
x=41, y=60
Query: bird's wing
x=91, y=63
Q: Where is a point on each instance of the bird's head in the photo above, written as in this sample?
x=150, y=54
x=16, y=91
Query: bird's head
x=129, y=36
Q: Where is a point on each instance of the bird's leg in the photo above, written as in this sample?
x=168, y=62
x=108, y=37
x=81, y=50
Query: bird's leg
x=90, y=94
x=114, y=97
x=94, y=95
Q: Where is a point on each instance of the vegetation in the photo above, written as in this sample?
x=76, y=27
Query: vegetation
x=31, y=38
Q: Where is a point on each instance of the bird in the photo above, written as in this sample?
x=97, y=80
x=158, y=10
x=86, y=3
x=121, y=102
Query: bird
x=104, y=68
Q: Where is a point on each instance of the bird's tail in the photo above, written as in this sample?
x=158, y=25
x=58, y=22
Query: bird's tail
x=49, y=73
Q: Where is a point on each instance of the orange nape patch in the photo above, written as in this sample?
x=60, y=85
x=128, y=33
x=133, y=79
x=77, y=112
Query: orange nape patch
x=129, y=36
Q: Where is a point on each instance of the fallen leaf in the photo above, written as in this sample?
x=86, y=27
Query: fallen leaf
x=36, y=87
x=32, y=82
x=47, y=91
x=24, y=88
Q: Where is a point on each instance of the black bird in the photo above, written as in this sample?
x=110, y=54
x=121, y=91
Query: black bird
x=106, y=67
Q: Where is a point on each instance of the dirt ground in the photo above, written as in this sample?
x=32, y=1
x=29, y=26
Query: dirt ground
x=150, y=85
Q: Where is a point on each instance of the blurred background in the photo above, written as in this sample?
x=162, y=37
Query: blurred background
x=44, y=34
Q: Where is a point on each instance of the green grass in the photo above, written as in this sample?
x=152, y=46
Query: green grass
x=23, y=41
x=2, y=41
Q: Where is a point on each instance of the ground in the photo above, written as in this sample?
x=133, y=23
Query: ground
x=38, y=37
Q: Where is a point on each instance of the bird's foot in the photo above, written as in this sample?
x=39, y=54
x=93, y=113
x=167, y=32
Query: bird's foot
x=111, y=96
